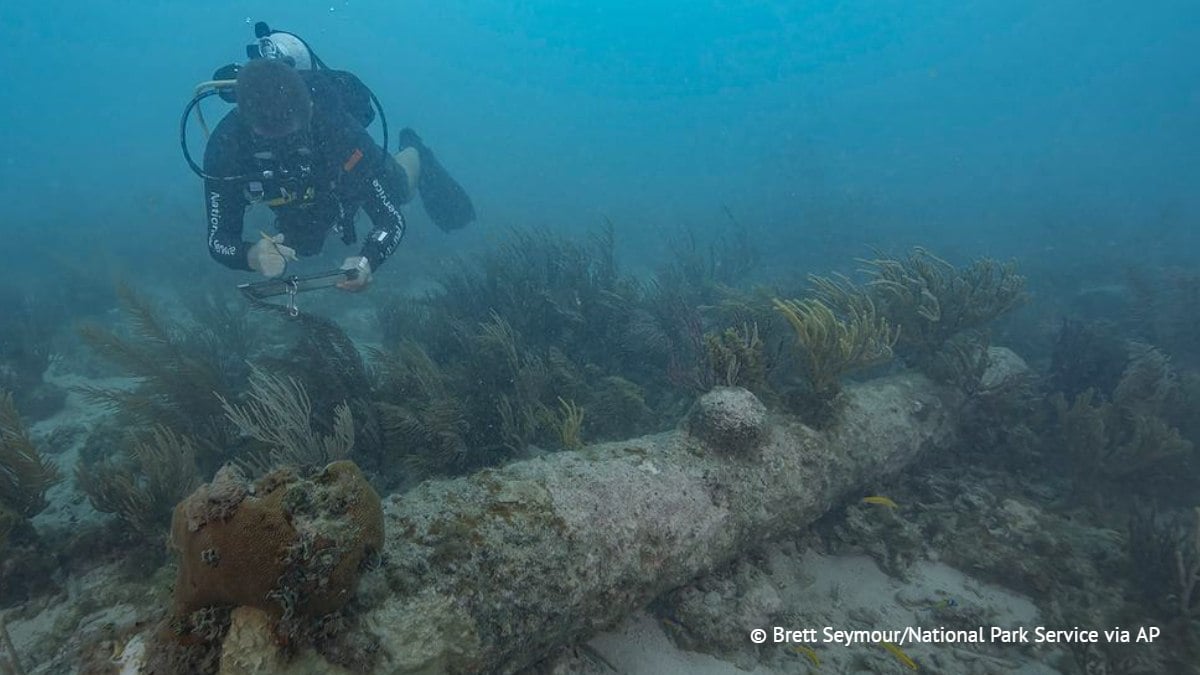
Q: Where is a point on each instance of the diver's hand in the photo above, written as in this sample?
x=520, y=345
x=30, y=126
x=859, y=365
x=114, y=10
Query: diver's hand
x=269, y=257
x=364, y=274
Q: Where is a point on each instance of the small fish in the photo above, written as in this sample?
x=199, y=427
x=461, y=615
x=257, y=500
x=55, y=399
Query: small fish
x=805, y=650
x=671, y=622
x=944, y=603
x=880, y=501
x=900, y=655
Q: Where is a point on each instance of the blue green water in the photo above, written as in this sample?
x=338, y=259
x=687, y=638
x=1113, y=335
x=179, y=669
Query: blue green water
x=730, y=149
x=1001, y=125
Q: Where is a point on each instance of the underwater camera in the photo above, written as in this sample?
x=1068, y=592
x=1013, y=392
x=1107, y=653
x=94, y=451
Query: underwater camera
x=293, y=50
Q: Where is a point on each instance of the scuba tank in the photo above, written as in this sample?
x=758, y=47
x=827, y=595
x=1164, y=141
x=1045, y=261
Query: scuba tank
x=287, y=47
x=269, y=44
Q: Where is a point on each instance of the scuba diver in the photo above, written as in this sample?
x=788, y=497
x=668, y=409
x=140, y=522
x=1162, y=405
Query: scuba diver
x=298, y=142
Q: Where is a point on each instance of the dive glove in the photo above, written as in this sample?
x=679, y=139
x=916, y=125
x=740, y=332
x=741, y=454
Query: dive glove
x=360, y=265
x=269, y=257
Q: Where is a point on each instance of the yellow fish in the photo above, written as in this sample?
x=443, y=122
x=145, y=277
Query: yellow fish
x=805, y=650
x=880, y=501
x=900, y=655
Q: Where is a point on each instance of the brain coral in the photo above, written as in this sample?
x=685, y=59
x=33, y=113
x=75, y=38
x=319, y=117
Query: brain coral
x=290, y=546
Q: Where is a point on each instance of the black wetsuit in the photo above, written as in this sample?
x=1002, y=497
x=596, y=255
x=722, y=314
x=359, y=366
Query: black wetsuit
x=328, y=172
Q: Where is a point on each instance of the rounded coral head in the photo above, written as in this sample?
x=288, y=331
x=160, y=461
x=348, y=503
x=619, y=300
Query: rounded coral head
x=273, y=98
